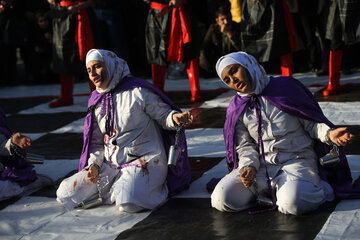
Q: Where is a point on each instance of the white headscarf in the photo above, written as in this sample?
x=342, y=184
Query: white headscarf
x=117, y=68
x=259, y=79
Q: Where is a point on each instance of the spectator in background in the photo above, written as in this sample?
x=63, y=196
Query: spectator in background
x=343, y=28
x=222, y=37
x=72, y=38
x=304, y=14
x=40, y=48
x=171, y=37
x=112, y=26
x=324, y=44
x=267, y=32
x=14, y=35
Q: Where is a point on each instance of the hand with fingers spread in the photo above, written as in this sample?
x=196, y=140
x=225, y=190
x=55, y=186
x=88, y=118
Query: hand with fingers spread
x=21, y=140
x=247, y=175
x=92, y=175
x=340, y=136
x=185, y=118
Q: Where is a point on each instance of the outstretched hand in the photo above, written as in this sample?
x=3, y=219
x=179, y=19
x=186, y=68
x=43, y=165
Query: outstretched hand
x=92, y=175
x=247, y=175
x=185, y=118
x=21, y=140
x=340, y=136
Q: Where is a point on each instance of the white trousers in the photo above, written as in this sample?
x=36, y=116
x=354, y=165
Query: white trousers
x=293, y=196
x=132, y=189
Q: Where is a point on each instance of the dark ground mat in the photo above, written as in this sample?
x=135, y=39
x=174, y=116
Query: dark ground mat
x=353, y=148
x=208, y=118
x=182, y=218
x=38, y=123
x=199, y=165
x=58, y=146
x=12, y=106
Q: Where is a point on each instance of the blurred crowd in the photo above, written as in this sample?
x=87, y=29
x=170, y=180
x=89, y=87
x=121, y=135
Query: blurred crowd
x=27, y=36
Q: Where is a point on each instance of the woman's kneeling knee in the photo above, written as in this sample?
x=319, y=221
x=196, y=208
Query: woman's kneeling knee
x=296, y=206
x=130, y=208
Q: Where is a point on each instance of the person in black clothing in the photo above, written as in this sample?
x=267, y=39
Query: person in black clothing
x=171, y=36
x=40, y=48
x=343, y=28
x=72, y=39
x=222, y=37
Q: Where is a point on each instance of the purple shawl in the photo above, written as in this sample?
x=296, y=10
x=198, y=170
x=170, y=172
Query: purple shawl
x=292, y=97
x=16, y=169
x=178, y=178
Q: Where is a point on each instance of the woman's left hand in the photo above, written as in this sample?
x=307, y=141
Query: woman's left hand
x=185, y=118
x=341, y=136
x=21, y=140
x=92, y=175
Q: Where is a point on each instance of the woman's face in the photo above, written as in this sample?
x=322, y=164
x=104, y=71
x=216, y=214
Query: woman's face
x=236, y=77
x=98, y=74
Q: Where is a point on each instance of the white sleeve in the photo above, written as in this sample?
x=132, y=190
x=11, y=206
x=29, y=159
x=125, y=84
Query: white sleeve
x=157, y=109
x=96, y=145
x=316, y=130
x=246, y=147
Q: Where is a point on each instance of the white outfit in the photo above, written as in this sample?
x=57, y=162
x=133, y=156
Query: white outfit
x=290, y=158
x=288, y=145
x=138, y=116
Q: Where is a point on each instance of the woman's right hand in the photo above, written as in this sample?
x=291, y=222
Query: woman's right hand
x=247, y=175
x=92, y=175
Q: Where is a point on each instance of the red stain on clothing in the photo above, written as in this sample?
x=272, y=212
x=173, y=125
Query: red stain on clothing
x=75, y=183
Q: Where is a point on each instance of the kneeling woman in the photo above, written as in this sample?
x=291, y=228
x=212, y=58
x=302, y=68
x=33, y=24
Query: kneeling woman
x=128, y=128
x=275, y=133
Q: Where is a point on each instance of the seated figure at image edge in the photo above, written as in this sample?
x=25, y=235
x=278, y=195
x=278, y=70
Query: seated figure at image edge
x=293, y=135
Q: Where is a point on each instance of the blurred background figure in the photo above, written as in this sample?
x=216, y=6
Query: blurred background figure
x=267, y=32
x=14, y=37
x=40, y=49
x=171, y=37
x=304, y=15
x=111, y=26
x=343, y=29
x=72, y=39
x=222, y=37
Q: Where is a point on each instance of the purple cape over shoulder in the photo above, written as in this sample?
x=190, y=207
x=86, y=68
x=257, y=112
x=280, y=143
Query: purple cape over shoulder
x=179, y=177
x=16, y=169
x=292, y=97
